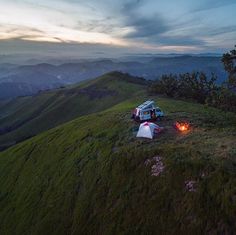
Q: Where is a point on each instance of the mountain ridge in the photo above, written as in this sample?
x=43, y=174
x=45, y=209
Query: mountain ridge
x=24, y=117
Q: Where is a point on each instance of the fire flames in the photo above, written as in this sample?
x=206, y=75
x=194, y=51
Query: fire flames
x=182, y=126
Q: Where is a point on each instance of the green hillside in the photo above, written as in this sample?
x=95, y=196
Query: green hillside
x=93, y=176
x=25, y=117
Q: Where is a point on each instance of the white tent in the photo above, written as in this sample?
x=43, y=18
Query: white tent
x=148, y=130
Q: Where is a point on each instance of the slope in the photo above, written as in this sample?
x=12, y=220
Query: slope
x=24, y=117
x=92, y=176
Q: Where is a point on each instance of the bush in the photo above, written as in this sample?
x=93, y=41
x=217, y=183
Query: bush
x=168, y=85
x=229, y=61
x=222, y=98
x=196, y=86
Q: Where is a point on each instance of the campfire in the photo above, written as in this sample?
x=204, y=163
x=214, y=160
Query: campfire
x=182, y=126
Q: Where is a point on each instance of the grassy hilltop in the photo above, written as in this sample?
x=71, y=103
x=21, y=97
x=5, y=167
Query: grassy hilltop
x=25, y=117
x=93, y=176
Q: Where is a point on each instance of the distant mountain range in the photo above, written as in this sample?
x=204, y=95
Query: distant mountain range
x=21, y=80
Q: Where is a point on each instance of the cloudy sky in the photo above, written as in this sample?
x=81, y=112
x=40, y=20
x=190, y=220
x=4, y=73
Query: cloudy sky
x=127, y=26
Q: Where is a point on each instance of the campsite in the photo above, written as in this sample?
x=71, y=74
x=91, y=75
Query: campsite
x=151, y=126
x=97, y=158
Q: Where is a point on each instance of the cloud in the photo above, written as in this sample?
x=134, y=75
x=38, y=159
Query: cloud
x=145, y=27
x=221, y=30
x=142, y=23
x=204, y=5
x=153, y=29
x=179, y=41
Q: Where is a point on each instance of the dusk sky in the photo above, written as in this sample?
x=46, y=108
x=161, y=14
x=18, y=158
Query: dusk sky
x=135, y=26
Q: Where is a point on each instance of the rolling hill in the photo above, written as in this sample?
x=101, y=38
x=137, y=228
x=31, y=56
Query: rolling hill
x=25, y=117
x=93, y=176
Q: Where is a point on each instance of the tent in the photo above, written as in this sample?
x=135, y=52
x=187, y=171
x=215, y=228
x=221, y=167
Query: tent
x=148, y=130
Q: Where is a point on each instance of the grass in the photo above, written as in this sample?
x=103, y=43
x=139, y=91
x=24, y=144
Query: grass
x=89, y=176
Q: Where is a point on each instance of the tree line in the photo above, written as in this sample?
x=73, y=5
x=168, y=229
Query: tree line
x=201, y=88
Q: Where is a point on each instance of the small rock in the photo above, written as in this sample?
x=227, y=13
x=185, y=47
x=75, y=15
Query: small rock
x=147, y=162
x=157, y=167
x=190, y=185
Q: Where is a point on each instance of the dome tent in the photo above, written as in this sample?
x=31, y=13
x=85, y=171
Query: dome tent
x=148, y=130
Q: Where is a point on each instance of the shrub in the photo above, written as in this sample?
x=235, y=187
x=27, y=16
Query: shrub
x=222, y=98
x=196, y=86
x=168, y=85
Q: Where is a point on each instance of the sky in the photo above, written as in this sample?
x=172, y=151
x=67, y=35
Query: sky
x=117, y=26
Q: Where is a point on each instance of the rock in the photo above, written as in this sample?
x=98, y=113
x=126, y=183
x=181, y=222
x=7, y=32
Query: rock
x=157, y=168
x=190, y=185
